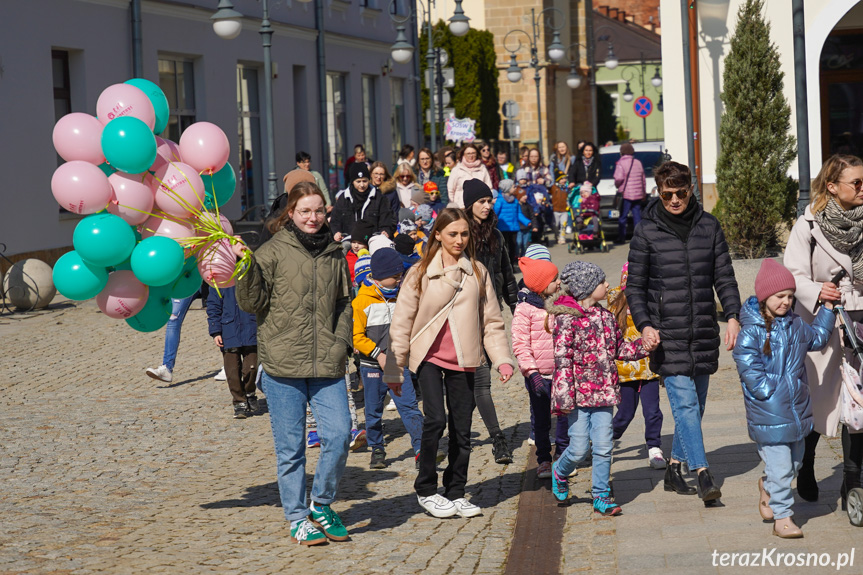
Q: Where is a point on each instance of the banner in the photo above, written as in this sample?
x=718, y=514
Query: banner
x=460, y=129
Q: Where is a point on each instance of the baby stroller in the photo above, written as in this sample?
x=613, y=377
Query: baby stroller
x=851, y=410
x=587, y=230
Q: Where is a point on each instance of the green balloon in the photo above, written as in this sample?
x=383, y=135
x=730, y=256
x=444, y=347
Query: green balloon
x=107, y=169
x=157, y=261
x=158, y=99
x=189, y=281
x=103, y=239
x=223, y=182
x=76, y=279
x=155, y=313
x=129, y=145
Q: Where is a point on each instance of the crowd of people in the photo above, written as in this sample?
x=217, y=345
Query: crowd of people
x=379, y=272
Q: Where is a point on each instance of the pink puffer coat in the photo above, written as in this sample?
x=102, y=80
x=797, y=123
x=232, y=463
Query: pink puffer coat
x=532, y=345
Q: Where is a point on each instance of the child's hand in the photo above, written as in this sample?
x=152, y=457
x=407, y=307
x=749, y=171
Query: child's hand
x=239, y=248
x=218, y=340
x=505, y=371
x=828, y=305
x=650, y=337
x=396, y=388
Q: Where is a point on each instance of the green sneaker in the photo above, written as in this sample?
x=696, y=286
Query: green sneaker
x=325, y=519
x=305, y=533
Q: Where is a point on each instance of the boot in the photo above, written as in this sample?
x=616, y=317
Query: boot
x=674, y=480
x=850, y=480
x=807, y=487
x=707, y=488
x=500, y=450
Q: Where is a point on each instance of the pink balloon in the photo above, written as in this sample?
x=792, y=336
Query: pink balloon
x=125, y=100
x=132, y=200
x=123, y=296
x=205, y=147
x=78, y=136
x=161, y=224
x=166, y=151
x=81, y=187
x=181, y=189
x=224, y=223
x=216, y=264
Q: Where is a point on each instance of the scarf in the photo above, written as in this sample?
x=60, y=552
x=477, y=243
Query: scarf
x=471, y=165
x=314, y=243
x=587, y=161
x=681, y=225
x=844, y=230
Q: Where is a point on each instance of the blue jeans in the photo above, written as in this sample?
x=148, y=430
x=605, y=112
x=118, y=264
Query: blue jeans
x=523, y=240
x=626, y=206
x=287, y=399
x=179, y=307
x=781, y=464
x=688, y=396
x=375, y=392
x=586, y=425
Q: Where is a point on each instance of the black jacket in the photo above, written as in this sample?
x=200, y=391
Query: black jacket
x=578, y=174
x=670, y=288
x=500, y=268
x=375, y=209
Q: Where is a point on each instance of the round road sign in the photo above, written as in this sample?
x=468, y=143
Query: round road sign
x=643, y=107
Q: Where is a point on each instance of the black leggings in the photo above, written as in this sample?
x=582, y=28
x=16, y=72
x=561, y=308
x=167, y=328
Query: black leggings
x=484, y=402
x=852, y=450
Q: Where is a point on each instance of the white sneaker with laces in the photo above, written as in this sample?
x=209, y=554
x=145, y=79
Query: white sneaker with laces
x=465, y=508
x=438, y=505
x=655, y=458
x=162, y=373
x=221, y=376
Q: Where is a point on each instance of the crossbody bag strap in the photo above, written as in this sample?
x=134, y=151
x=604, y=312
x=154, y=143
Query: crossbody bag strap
x=443, y=310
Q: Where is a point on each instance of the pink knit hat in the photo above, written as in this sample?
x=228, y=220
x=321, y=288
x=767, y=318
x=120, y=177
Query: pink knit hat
x=772, y=278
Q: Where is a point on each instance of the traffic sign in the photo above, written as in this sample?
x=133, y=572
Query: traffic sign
x=643, y=107
x=510, y=109
x=448, y=78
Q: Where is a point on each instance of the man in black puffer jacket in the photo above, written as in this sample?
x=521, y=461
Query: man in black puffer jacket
x=677, y=257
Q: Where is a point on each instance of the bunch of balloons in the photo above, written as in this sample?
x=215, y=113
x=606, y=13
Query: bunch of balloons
x=153, y=228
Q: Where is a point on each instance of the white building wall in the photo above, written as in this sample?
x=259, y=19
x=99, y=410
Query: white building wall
x=98, y=34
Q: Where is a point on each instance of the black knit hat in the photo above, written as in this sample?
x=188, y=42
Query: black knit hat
x=404, y=244
x=386, y=263
x=362, y=231
x=358, y=170
x=473, y=191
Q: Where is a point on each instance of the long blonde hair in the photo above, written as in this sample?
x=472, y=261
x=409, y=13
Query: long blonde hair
x=445, y=218
x=831, y=171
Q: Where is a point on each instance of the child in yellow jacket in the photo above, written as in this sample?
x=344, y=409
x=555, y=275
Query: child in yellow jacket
x=636, y=382
x=373, y=312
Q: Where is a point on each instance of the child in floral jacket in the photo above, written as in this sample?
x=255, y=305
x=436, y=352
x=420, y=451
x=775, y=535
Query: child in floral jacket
x=587, y=343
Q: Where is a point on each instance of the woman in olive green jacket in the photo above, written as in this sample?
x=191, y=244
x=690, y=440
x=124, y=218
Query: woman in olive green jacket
x=299, y=287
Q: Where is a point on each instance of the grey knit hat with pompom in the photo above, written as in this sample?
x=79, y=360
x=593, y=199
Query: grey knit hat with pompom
x=581, y=278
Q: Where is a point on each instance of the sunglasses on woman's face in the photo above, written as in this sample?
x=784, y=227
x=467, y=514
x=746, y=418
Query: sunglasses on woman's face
x=681, y=194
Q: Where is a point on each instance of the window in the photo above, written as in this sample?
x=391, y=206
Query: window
x=249, y=138
x=62, y=88
x=397, y=102
x=336, y=129
x=177, y=80
x=370, y=117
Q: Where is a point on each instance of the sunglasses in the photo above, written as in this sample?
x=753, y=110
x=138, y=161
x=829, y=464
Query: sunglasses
x=666, y=196
x=856, y=184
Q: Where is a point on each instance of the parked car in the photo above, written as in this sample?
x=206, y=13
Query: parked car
x=650, y=154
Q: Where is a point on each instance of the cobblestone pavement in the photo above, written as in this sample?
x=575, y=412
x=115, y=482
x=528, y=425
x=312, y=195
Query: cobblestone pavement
x=105, y=470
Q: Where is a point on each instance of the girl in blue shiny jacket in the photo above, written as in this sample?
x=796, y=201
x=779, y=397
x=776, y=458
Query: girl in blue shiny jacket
x=770, y=352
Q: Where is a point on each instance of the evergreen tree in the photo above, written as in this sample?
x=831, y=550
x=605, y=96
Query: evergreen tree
x=756, y=195
x=476, y=94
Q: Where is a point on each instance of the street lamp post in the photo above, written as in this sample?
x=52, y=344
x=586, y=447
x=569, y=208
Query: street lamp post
x=574, y=78
x=628, y=96
x=227, y=24
x=556, y=52
x=402, y=52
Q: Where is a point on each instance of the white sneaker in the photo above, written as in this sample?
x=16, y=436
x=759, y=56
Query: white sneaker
x=438, y=505
x=531, y=441
x=655, y=458
x=465, y=508
x=391, y=406
x=221, y=376
x=162, y=373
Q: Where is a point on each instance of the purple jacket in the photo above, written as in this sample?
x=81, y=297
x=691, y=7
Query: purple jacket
x=629, y=178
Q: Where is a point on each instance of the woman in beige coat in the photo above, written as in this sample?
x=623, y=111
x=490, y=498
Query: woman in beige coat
x=828, y=239
x=447, y=311
x=469, y=167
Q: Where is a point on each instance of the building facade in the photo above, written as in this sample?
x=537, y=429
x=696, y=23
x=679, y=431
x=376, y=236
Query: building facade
x=83, y=46
x=834, y=76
